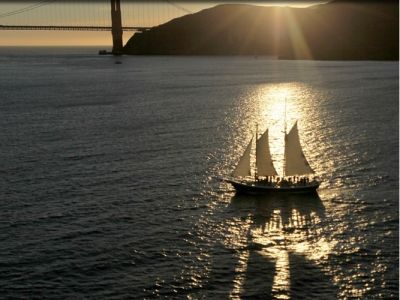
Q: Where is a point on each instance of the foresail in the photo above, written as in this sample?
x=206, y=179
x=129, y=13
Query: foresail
x=295, y=161
x=243, y=168
x=264, y=164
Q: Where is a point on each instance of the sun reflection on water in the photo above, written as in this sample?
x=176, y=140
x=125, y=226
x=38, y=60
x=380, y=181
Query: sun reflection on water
x=281, y=284
x=240, y=272
x=279, y=229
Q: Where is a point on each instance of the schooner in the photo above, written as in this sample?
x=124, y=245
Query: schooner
x=296, y=169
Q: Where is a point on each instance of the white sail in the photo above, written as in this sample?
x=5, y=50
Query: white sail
x=264, y=164
x=295, y=161
x=243, y=168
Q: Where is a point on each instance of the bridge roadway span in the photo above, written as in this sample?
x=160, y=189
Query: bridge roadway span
x=78, y=28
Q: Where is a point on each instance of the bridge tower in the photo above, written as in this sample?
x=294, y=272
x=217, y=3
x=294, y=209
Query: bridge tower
x=116, y=30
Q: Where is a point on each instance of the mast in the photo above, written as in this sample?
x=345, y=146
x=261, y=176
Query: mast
x=285, y=116
x=284, y=129
x=255, y=168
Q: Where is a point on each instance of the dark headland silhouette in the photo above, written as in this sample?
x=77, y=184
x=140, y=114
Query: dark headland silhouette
x=338, y=30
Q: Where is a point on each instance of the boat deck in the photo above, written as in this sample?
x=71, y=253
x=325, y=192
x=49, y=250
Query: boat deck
x=260, y=187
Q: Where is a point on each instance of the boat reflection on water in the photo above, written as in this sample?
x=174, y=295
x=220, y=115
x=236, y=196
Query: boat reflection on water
x=285, y=251
x=286, y=211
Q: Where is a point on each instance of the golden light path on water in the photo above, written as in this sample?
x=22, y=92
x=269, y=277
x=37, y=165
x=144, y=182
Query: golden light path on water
x=285, y=230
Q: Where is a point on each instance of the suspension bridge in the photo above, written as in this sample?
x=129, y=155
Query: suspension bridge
x=115, y=16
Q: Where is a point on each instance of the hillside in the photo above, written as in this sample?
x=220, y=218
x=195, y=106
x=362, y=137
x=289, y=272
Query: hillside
x=337, y=30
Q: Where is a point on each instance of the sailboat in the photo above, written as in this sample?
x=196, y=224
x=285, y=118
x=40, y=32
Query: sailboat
x=296, y=169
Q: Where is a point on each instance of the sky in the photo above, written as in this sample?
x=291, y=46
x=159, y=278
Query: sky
x=78, y=12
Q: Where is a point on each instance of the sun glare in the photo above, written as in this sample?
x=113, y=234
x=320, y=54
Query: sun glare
x=297, y=39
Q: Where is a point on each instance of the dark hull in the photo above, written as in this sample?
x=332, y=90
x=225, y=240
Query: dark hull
x=256, y=188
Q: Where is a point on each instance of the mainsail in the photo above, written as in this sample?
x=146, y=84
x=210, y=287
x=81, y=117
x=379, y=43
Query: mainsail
x=243, y=167
x=295, y=161
x=264, y=163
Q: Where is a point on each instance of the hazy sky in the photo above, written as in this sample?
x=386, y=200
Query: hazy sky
x=75, y=12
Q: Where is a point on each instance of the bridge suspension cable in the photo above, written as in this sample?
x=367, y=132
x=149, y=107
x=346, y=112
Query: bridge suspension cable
x=179, y=7
x=75, y=13
x=26, y=9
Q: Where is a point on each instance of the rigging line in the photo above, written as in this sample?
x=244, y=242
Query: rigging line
x=179, y=7
x=27, y=8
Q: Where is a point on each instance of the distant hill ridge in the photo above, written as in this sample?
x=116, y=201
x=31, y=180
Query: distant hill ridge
x=338, y=30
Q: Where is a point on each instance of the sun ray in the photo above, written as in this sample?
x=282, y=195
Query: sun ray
x=296, y=37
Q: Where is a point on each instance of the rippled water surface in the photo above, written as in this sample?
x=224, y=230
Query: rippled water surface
x=109, y=185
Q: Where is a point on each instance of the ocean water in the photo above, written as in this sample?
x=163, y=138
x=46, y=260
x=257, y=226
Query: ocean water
x=109, y=178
